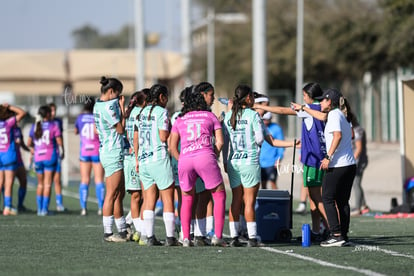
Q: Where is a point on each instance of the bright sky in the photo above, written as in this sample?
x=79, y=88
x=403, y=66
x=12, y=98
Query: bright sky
x=48, y=24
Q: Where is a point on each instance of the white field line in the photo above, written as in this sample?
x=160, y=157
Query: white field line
x=323, y=263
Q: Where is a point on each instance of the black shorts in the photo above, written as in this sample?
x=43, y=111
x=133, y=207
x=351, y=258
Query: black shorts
x=269, y=174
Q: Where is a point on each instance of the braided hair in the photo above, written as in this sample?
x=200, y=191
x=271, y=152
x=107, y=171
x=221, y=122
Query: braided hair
x=241, y=92
x=137, y=99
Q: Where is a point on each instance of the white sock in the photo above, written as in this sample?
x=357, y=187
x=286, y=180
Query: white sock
x=128, y=218
x=243, y=223
x=252, y=229
x=136, y=224
x=149, y=222
x=169, y=222
x=200, y=229
x=107, y=224
x=120, y=224
x=142, y=228
x=234, y=228
x=209, y=224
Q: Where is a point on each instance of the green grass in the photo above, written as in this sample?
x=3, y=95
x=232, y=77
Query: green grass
x=68, y=244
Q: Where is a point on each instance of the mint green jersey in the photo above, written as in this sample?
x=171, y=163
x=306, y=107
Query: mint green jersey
x=246, y=139
x=107, y=114
x=130, y=124
x=150, y=146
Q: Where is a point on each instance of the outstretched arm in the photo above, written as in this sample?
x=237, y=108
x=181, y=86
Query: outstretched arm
x=281, y=110
x=321, y=116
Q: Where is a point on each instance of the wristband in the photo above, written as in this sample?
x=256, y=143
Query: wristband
x=328, y=157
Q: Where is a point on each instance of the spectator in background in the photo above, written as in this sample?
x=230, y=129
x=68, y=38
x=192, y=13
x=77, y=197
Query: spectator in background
x=89, y=157
x=270, y=156
x=359, y=147
x=57, y=177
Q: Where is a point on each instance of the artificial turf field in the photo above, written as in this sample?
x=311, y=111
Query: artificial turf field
x=68, y=244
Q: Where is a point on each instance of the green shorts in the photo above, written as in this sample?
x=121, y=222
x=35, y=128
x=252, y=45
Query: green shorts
x=246, y=175
x=156, y=172
x=112, y=162
x=312, y=177
x=132, y=182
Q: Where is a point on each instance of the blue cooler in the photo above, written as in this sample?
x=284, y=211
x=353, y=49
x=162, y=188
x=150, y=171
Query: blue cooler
x=272, y=215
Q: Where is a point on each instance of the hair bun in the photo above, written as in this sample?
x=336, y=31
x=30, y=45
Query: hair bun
x=104, y=80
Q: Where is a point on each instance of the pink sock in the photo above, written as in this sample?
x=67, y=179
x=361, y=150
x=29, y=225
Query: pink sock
x=186, y=207
x=219, y=210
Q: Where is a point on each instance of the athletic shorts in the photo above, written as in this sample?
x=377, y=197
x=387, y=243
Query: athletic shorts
x=93, y=158
x=246, y=175
x=8, y=162
x=132, y=182
x=8, y=167
x=157, y=172
x=204, y=166
x=312, y=177
x=47, y=165
x=269, y=174
x=58, y=165
x=112, y=162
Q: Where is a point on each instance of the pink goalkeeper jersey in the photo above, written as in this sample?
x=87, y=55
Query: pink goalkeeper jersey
x=196, y=130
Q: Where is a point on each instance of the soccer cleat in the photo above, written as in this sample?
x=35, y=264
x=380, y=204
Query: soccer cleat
x=243, y=235
x=22, y=209
x=83, y=212
x=316, y=237
x=114, y=238
x=171, y=241
x=129, y=232
x=99, y=212
x=235, y=242
x=9, y=211
x=60, y=208
x=254, y=243
x=142, y=241
x=218, y=242
x=187, y=243
x=152, y=241
x=333, y=241
x=200, y=241
x=136, y=236
x=365, y=210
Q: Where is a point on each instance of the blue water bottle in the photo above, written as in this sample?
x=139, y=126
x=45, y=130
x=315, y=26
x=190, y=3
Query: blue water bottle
x=306, y=235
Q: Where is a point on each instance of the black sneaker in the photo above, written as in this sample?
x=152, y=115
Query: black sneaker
x=235, y=242
x=254, y=243
x=171, y=241
x=316, y=237
x=152, y=241
x=201, y=241
x=333, y=241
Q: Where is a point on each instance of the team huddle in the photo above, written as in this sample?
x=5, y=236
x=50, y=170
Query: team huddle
x=140, y=149
x=156, y=157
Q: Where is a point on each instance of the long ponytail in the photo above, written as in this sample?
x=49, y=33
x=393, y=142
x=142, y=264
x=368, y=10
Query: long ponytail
x=239, y=99
x=43, y=112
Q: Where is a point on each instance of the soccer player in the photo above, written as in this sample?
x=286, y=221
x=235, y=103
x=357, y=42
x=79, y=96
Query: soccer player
x=132, y=182
x=89, y=157
x=244, y=134
x=45, y=139
x=110, y=124
x=9, y=117
x=57, y=179
x=201, y=138
x=155, y=171
x=20, y=173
